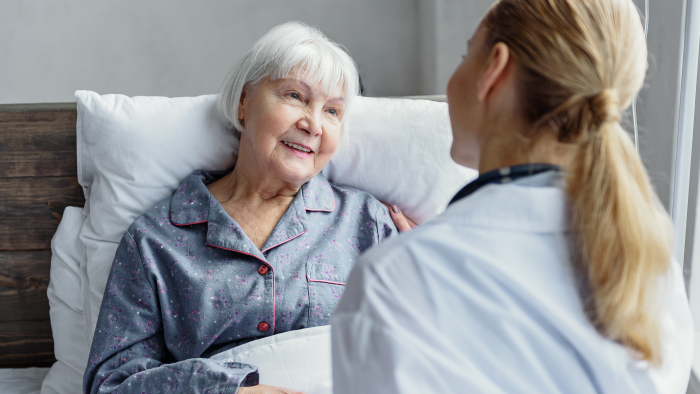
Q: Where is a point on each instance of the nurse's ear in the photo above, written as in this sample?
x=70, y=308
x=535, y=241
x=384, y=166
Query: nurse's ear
x=498, y=70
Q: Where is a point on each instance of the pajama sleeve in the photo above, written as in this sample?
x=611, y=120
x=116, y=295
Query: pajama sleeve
x=385, y=227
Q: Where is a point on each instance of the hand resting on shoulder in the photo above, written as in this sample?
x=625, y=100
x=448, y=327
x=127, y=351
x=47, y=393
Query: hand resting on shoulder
x=401, y=222
x=264, y=389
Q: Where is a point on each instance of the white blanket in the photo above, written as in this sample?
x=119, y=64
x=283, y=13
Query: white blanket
x=298, y=360
x=22, y=380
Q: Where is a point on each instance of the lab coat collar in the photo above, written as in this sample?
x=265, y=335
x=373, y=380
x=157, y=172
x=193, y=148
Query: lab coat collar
x=505, y=175
x=192, y=203
x=514, y=207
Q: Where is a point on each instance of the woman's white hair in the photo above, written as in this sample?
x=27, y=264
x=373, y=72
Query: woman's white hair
x=288, y=50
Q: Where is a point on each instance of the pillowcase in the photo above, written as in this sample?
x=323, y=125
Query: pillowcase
x=133, y=152
x=66, y=306
x=399, y=150
x=301, y=359
x=62, y=379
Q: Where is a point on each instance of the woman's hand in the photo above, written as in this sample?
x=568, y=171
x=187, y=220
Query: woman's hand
x=264, y=389
x=401, y=222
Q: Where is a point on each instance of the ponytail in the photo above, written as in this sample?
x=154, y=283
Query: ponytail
x=622, y=233
x=580, y=63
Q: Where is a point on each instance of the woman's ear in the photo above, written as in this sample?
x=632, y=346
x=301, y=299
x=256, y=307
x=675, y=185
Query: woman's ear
x=495, y=72
x=242, y=103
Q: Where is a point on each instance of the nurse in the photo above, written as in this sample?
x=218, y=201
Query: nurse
x=552, y=272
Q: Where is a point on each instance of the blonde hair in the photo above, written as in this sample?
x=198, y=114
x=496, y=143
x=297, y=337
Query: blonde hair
x=580, y=62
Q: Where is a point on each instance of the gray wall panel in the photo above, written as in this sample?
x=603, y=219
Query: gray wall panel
x=178, y=47
x=657, y=106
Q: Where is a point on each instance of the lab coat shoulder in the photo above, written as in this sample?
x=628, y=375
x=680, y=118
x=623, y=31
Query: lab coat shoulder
x=429, y=300
x=484, y=297
x=382, y=330
x=487, y=236
x=677, y=334
x=379, y=276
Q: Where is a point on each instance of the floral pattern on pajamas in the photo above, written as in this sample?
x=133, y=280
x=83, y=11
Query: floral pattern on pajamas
x=187, y=283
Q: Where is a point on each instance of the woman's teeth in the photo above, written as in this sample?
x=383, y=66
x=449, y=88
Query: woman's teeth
x=297, y=147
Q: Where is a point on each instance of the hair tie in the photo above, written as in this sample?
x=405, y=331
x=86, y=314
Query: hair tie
x=606, y=106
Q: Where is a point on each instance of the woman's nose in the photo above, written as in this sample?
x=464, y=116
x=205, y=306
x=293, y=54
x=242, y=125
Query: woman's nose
x=311, y=123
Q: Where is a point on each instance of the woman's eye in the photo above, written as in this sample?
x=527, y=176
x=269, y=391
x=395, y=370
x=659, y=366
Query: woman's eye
x=333, y=111
x=294, y=95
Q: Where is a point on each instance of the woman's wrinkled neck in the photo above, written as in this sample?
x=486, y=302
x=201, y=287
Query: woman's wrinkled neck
x=249, y=184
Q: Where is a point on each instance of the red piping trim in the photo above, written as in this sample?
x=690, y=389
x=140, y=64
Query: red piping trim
x=186, y=224
x=170, y=216
x=326, y=281
x=287, y=240
x=242, y=252
x=274, y=295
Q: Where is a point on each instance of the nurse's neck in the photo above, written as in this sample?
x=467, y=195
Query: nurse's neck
x=511, y=144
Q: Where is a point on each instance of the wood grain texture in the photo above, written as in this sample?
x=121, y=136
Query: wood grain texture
x=31, y=208
x=26, y=344
x=24, y=280
x=38, y=179
x=38, y=107
x=38, y=141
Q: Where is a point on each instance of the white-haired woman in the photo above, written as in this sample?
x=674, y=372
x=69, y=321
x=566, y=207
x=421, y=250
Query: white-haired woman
x=552, y=272
x=238, y=255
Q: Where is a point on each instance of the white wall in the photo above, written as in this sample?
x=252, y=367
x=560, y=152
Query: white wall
x=446, y=25
x=48, y=49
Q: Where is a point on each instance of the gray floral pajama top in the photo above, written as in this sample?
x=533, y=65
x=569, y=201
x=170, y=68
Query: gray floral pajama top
x=187, y=283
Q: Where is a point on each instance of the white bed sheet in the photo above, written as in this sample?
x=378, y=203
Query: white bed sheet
x=302, y=355
x=22, y=380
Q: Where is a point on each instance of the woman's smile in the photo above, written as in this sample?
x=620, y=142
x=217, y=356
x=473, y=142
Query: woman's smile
x=298, y=150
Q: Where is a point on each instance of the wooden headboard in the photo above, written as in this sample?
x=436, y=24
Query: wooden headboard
x=37, y=181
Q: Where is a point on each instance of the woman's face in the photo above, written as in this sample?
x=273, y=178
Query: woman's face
x=466, y=115
x=292, y=128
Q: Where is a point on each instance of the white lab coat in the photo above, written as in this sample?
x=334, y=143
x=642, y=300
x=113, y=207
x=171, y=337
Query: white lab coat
x=483, y=299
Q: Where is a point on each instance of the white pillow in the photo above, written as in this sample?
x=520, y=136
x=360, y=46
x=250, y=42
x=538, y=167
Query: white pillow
x=66, y=306
x=301, y=359
x=132, y=153
x=62, y=379
x=399, y=150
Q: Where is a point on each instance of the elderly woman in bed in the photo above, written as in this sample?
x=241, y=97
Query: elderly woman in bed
x=233, y=257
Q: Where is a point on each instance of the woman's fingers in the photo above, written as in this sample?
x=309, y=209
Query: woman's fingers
x=286, y=391
x=265, y=389
x=399, y=219
x=410, y=222
x=401, y=222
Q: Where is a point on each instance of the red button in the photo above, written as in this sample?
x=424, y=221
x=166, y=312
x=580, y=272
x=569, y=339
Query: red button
x=262, y=270
x=263, y=326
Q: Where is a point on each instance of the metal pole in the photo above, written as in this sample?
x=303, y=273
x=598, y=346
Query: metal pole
x=686, y=119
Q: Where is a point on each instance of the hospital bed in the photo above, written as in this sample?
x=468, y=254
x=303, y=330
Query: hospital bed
x=38, y=180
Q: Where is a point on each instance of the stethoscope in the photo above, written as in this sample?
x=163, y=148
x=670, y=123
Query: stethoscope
x=503, y=175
